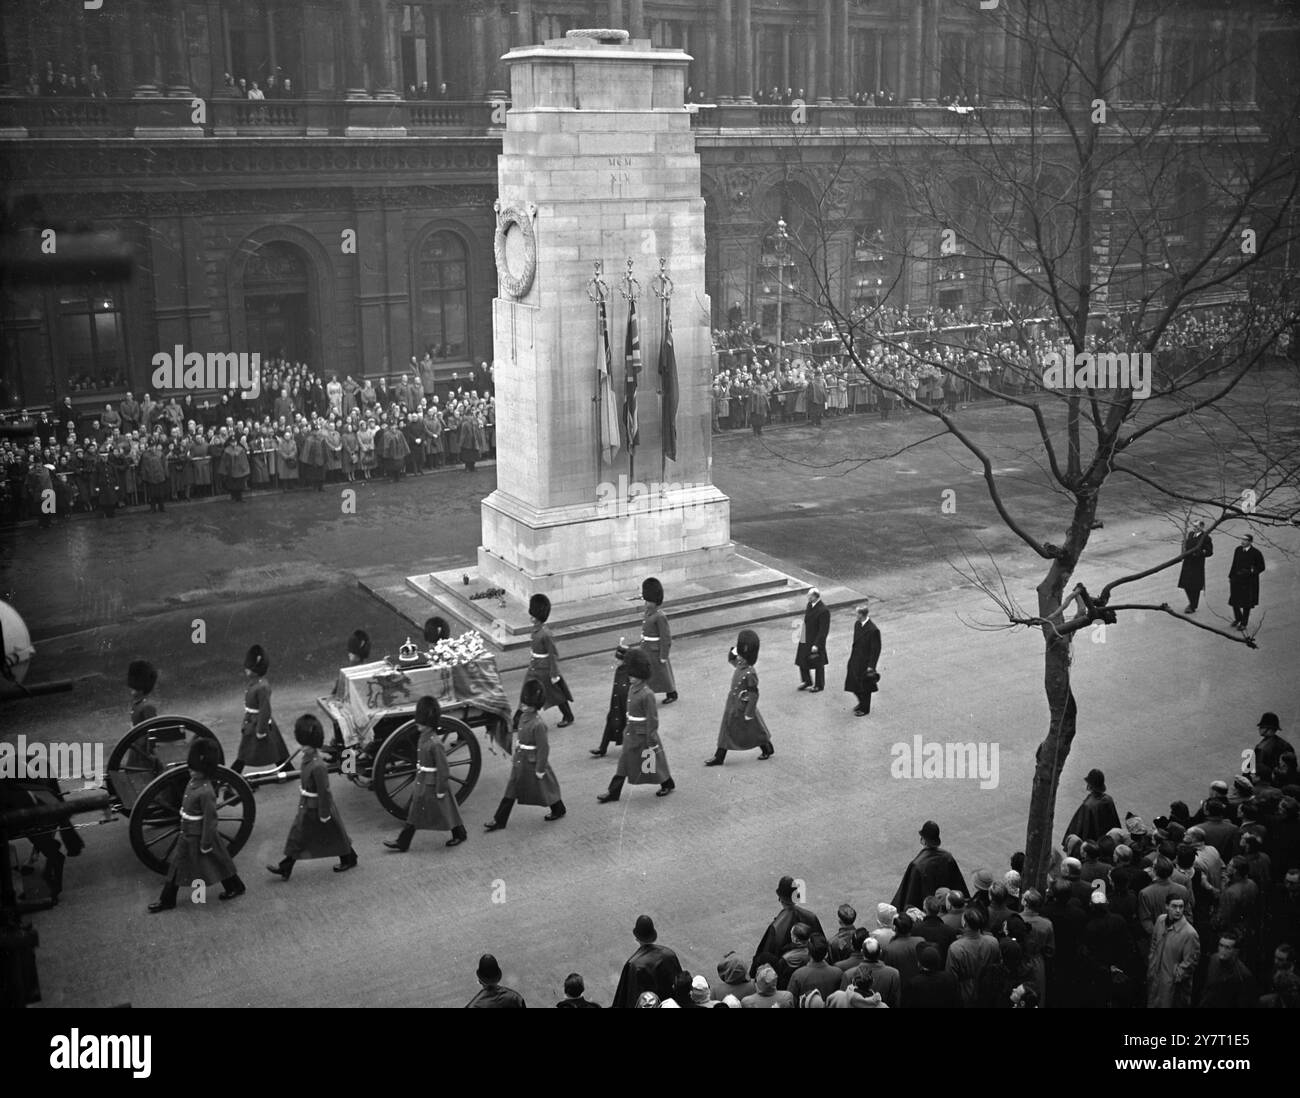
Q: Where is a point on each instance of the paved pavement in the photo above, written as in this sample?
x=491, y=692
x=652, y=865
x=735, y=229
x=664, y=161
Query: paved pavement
x=1164, y=709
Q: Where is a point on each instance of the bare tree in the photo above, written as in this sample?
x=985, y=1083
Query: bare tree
x=1102, y=176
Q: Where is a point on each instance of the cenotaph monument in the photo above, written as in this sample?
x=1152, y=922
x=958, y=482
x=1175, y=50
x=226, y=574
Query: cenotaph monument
x=599, y=201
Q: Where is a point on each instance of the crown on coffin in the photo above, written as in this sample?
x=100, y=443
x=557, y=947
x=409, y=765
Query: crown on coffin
x=408, y=653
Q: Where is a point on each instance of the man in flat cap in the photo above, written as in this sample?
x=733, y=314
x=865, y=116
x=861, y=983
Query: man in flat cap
x=652, y=967
x=932, y=868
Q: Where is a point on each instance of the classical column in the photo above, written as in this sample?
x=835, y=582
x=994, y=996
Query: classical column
x=825, y=52
x=497, y=38
x=381, y=47
x=724, y=62
x=433, y=26
x=636, y=18
x=144, y=52
x=120, y=69
x=915, y=37
x=744, y=73
x=995, y=82
x=178, y=69
x=931, y=54
x=616, y=15
x=843, y=65
x=786, y=77
x=523, y=23
x=354, y=60
x=809, y=65
x=477, y=65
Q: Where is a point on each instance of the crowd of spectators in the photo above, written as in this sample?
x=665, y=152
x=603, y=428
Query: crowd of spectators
x=275, y=85
x=939, y=358
x=59, y=83
x=301, y=430
x=1194, y=908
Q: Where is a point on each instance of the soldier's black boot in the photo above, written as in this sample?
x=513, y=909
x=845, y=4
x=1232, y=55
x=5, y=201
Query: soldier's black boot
x=498, y=822
x=232, y=886
x=719, y=757
x=403, y=841
x=284, y=869
x=557, y=811
x=166, y=901
x=458, y=836
x=347, y=861
x=615, y=788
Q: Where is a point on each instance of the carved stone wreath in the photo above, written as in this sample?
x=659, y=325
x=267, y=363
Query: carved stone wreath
x=515, y=248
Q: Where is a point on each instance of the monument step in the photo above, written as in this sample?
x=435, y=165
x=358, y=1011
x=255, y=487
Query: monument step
x=749, y=595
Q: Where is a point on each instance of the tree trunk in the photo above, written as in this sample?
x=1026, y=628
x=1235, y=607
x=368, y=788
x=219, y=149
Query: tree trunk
x=1049, y=760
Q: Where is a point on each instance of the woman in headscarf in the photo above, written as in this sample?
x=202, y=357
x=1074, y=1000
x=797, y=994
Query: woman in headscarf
x=743, y=726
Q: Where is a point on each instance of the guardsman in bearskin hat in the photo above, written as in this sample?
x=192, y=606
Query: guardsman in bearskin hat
x=436, y=629
x=317, y=830
x=656, y=639
x=743, y=726
x=200, y=852
x=642, y=759
x=359, y=647
x=532, y=781
x=616, y=716
x=433, y=803
x=544, y=662
x=260, y=742
x=141, y=678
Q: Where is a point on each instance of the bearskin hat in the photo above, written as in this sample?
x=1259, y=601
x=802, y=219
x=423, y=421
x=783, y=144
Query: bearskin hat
x=256, y=661
x=747, y=646
x=308, y=731
x=359, y=645
x=141, y=676
x=205, y=756
x=533, y=694
x=436, y=629
x=652, y=591
x=637, y=664
x=428, y=712
x=539, y=607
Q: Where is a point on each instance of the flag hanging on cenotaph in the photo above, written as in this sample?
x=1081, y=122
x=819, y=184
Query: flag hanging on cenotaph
x=668, y=386
x=609, y=425
x=632, y=365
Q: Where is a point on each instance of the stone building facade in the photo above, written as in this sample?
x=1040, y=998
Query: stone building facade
x=346, y=219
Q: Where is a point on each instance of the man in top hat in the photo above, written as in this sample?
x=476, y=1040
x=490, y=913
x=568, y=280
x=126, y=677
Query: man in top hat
x=1097, y=814
x=1271, y=746
x=811, y=653
x=491, y=994
x=1197, y=546
x=779, y=933
x=652, y=967
x=544, y=661
x=656, y=640
x=933, y=868
x=1243, y=581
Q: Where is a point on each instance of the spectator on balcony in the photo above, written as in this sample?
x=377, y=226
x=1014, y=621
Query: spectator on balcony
x=241, y=88
x=255, y=92
x=424, y=90
x=287, y=89
x=49, y=80
x=443, y=93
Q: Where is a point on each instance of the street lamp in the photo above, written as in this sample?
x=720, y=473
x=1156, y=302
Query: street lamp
x=782, y=246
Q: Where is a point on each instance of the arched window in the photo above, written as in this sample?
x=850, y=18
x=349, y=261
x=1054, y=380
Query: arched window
x=442, y=297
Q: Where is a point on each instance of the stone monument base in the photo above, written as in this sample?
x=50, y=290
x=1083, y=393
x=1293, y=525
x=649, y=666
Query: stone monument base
x=606, y=548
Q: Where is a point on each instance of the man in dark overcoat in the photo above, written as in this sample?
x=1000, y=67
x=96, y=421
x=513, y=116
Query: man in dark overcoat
x=933, y=868
x=651, y=968
x=861, y=678
x=1243, y=581
x=778, y=935
x=811, y=654
x=1191, y=577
